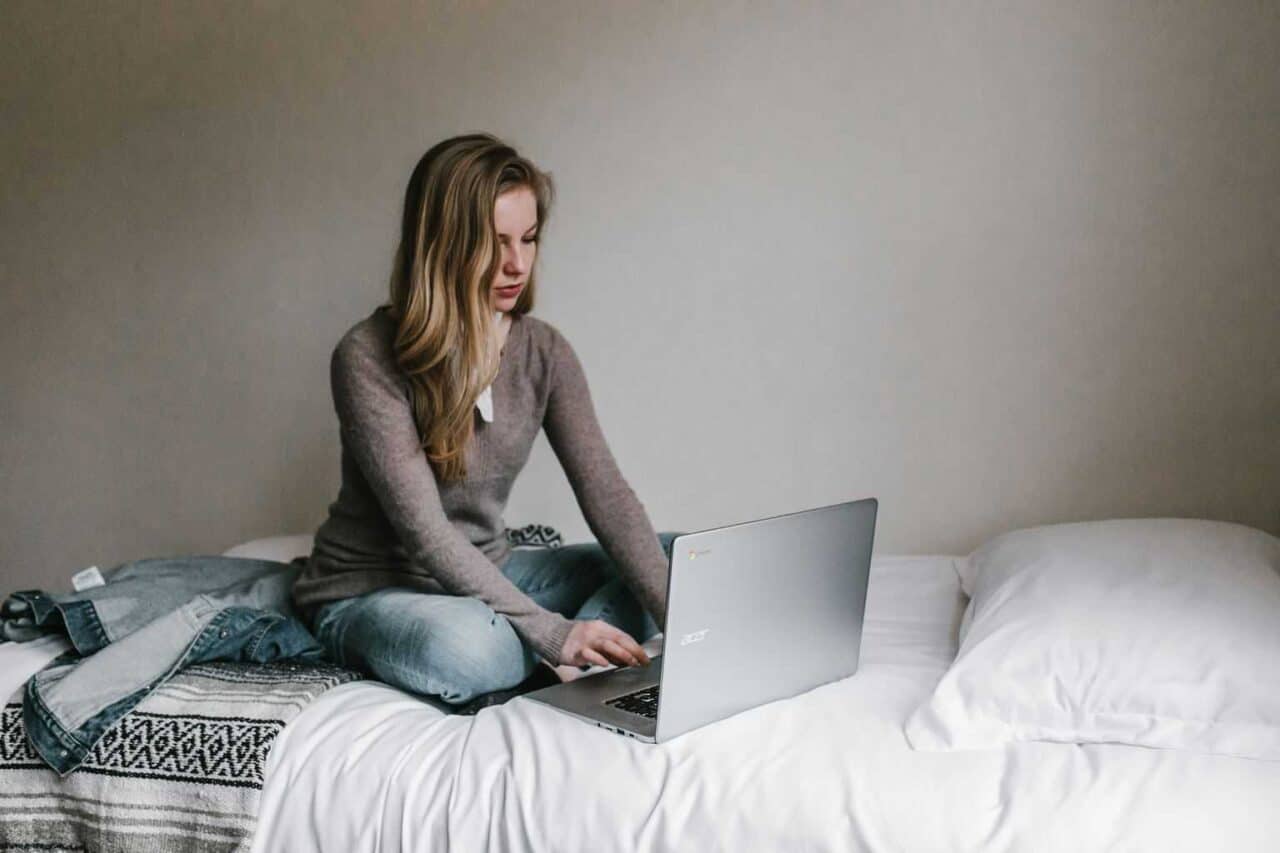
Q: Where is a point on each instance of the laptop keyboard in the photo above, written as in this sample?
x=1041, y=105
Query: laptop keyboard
x=642, y=702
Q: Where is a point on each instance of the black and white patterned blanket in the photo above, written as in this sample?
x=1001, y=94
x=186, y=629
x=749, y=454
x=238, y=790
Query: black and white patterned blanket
x=183, y=771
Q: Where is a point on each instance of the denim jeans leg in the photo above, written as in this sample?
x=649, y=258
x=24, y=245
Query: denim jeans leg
x=559, y=579
x=447, y=646
x=456, y=648
x=582, y=582
x=616, y=604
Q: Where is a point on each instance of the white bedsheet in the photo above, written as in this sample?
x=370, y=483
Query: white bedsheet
x=367, y=767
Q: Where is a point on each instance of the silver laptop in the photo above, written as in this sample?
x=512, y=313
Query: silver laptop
x=756, y=611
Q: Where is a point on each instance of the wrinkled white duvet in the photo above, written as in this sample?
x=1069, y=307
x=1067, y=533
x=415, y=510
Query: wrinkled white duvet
x=367, y=767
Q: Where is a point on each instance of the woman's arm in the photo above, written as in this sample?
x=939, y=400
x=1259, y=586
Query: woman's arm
x=612, y=510
x=376, y=418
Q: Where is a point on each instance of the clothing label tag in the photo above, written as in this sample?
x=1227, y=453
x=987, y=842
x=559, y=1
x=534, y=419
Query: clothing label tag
x=87, y=579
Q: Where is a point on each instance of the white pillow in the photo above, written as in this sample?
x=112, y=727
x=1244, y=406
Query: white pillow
x=1153, y=632
x=282, y=549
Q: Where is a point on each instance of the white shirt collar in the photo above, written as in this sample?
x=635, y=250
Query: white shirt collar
x=485, y=401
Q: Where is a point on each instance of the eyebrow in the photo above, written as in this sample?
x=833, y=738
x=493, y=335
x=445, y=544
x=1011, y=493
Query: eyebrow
x=533, y=227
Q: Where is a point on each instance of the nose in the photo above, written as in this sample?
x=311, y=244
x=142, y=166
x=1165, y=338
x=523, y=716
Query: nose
x=514, y=260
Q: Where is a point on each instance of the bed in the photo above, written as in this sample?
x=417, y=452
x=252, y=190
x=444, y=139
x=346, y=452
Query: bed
x=368, y=767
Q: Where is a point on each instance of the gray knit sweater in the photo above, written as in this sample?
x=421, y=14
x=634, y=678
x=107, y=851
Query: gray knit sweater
x=393, y=524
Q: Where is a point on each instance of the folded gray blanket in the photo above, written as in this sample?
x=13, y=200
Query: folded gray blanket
x=182, y=771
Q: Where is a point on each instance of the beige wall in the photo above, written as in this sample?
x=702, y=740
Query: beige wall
x=998, y=265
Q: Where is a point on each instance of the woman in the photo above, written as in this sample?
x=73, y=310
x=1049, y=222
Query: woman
x=439, y=396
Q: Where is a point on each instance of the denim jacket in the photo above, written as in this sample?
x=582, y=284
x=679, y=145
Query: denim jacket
x=150, y=619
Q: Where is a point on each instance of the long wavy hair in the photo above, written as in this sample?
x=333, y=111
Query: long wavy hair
x=440, y=286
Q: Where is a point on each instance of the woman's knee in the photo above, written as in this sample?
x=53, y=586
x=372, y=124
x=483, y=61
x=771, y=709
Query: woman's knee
x=479, y=652
x=451, y=647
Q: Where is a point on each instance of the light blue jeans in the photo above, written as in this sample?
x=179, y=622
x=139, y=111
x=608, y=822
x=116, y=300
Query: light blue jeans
x=456, y=648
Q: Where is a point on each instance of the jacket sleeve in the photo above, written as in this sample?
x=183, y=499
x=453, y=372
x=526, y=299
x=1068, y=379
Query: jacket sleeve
x=376, y=418
x=613, y=512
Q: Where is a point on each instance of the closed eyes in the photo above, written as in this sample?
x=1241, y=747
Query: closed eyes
x=528, y=238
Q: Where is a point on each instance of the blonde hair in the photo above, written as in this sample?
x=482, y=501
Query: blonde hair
x=440, y=285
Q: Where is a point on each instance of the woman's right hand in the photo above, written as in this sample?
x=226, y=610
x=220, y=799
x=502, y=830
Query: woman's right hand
x=595, y=642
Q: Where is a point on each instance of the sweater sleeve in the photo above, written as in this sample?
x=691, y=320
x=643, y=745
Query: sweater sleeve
x=376, y=419
x=612, y=511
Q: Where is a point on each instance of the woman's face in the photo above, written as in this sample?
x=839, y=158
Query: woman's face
x=515, y=216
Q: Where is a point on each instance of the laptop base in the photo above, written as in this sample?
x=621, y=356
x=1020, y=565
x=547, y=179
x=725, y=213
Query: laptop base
x=585, y=699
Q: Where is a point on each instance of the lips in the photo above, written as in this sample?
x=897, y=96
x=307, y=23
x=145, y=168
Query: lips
x=507, y=291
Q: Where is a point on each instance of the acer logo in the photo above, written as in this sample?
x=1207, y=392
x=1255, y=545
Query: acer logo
x=695, y=637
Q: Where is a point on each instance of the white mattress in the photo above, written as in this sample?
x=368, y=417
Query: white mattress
x=368, y=767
